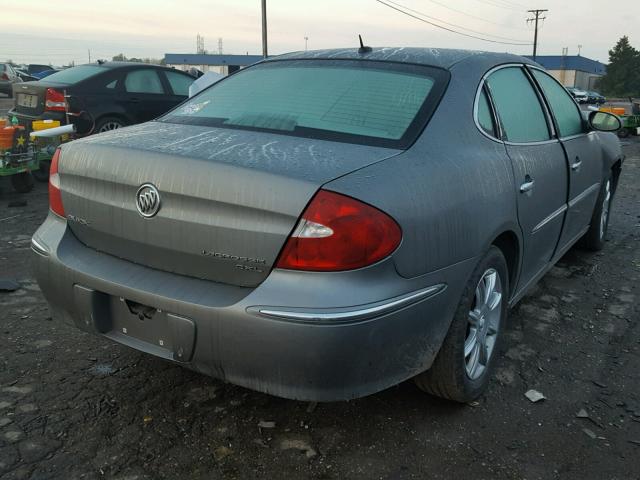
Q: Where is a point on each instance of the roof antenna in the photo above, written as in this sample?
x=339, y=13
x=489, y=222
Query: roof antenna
x=362, y=48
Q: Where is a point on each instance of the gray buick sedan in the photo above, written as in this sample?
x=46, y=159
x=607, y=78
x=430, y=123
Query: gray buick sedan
x=323, y=225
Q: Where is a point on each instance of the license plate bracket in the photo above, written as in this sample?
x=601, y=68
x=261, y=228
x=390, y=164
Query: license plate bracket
x=140, y=326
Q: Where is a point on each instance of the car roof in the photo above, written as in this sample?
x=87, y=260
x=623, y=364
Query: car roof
x=437, y=57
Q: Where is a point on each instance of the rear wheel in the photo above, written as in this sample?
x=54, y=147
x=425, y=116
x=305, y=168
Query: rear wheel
x=22, y=182
x=108, y=123
x=596, y=235
x=463, y=367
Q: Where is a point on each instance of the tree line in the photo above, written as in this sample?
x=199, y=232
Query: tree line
x=623, y=72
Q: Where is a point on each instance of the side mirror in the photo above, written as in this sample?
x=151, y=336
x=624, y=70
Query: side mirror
x=604, y=121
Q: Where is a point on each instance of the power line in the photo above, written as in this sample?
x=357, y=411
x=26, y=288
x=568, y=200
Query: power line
x=452, y=24
x=448, y=29
x=471, y=15
x=496, y=3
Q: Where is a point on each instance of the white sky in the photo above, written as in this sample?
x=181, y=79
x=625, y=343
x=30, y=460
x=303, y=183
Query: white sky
x=43, y=31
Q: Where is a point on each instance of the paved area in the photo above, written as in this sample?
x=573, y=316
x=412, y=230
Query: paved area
x=74, y=406
x=5, y=105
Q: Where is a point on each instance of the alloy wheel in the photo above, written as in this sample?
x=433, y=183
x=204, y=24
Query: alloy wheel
x=112, y=125
x=606, y=202
x=483, y=324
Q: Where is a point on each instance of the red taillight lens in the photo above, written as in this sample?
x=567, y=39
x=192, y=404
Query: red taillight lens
x=4, y=76
x=337, y=232
x=55, y=196
x=54, y=100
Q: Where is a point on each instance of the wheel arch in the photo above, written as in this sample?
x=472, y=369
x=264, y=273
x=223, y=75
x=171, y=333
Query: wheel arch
x=509, y=243
x=616, y=170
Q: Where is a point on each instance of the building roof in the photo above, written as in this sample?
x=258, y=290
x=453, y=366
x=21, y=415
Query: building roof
x=571, y=62
x=210, y=59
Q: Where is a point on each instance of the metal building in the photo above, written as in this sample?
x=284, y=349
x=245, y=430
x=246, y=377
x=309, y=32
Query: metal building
x=223, y=64
x=573, y=70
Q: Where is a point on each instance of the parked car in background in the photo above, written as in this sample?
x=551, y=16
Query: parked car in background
x=45, y=73
x=324, y=225
x=102, y=96
x=24, y=75
x=580, y=95
x=595, y=98
x=34, y=68
x=8, y=76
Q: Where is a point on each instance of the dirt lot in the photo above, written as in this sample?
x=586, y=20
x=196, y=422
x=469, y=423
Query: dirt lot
x=76, y=406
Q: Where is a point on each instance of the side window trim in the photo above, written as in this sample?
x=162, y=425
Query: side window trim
x=483, y=89
x=166, y=85
x=547, y=107
x=499, y=128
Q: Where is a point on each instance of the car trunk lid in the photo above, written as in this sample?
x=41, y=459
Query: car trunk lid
x=30, y=97
x=229, y=198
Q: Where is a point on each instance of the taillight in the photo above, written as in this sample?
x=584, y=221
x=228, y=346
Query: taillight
x=54, y=100
x=4, y=76
x=337, y=232
x=55, y=196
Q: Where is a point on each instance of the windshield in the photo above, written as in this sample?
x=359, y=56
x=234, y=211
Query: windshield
x=75, y=74
x=355, y=101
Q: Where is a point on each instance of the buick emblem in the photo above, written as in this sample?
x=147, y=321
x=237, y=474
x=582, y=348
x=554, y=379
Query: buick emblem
x=147, y=200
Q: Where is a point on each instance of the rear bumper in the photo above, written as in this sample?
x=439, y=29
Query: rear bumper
x=305, y=336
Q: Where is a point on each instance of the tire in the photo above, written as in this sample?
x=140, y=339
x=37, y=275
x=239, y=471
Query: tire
x=22, y=182
x=42, y=174
x=596, y=236
x=623, y=133
x=454, y=375
x=106, y=124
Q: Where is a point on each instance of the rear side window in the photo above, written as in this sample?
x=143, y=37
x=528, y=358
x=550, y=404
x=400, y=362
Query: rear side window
x=367, y=102
x=179, y=83
x=143, y=81
x=562, y=105
x=485, y=117
x=75, y=74
x=518, y=106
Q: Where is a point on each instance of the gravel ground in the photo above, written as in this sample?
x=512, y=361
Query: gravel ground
x=74, y=406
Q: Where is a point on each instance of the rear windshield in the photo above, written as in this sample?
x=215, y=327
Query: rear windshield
x=75, y=74
x=378, y=103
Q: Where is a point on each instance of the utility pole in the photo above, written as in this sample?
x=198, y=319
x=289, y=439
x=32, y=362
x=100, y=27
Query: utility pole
x=89, y=51
x=306, y=40
x=535, y=19
x=579, y=49
x=264, y=28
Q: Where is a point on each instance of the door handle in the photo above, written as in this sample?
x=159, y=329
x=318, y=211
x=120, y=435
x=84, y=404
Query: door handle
x=134, y=100
x=576, y=165
x=527, y=186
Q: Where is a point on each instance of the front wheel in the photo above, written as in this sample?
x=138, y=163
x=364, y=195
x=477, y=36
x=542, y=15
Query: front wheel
x=596, y=235
x=464, y=365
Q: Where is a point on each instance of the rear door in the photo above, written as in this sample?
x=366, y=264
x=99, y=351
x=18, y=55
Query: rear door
x=144, y=94
x=583, y=156
x=538, y=163
x=178, y=84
